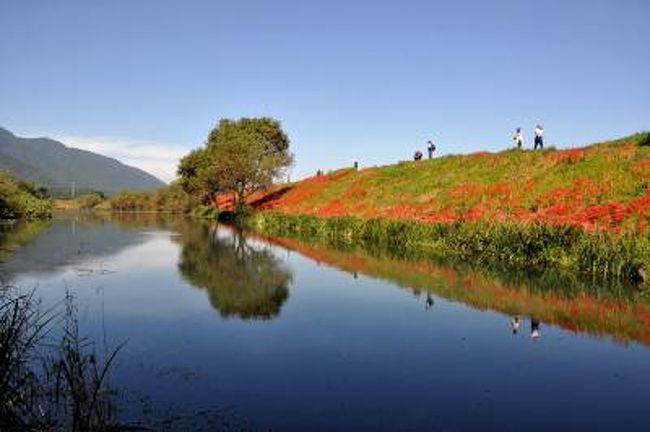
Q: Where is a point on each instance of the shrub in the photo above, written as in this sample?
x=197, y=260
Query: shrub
x=17, y=201
x=90, y=200
x=644, y=139
x=170, y=198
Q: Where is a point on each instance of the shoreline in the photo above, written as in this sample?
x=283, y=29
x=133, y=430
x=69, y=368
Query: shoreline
x=532, y=247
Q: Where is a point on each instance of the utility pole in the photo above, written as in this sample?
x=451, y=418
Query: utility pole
x=72, y=190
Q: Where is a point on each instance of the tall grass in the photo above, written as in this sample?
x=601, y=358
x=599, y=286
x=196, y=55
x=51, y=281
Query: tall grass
x=528, y=246
x=50, y=385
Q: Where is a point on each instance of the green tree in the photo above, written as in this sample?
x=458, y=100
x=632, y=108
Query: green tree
x=190, y=172
x=240, y=156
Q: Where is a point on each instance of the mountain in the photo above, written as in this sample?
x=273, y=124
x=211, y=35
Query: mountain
x=50, y=163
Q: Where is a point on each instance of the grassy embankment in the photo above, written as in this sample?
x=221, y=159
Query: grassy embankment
x=582, y=210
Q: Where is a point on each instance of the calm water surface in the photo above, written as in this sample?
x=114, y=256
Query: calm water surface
x=288, y=337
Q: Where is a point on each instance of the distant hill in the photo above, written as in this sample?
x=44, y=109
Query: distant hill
x=50, y=163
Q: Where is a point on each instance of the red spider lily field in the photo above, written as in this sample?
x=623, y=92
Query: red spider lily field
x=602, y=187
x=582, y=210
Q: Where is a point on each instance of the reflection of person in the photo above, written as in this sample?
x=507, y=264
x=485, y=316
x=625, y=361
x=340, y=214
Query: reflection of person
x=428, y=304
x=515, y=324
x=534, y=328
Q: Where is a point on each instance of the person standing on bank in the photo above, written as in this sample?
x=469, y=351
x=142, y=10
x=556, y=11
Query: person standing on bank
x=431, y=147
x=518, y=137
x=539, y=137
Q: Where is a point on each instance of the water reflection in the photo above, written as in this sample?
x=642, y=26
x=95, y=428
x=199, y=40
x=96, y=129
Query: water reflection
x=17, y=234
x=614, y=310
x=244, y=279
x=45, y=247
x=534, y=328
x=515, y=324
x=241, y=279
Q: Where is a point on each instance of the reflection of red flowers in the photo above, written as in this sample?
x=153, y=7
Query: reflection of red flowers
x=583, y=312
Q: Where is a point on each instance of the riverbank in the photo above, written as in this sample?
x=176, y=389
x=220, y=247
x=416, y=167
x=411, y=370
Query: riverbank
x=532, y=247
x=582, y=210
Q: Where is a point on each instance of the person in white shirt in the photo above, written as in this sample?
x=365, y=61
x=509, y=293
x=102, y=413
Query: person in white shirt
x=539, y=137
x=518, y=137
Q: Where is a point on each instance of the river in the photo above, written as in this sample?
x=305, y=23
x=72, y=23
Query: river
x=233, y=330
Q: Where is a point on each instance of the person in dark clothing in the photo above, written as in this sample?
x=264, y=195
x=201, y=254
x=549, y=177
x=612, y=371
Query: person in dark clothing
x=417, y=156
x=539, y=137
x=431, y=147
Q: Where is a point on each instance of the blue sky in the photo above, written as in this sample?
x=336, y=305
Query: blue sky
x=145, y=81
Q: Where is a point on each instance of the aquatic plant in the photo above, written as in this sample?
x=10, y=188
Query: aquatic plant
x=46, y=385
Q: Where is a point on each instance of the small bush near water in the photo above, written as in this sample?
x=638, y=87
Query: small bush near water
x=90, y=200
x=21, y=200
x=532, y=246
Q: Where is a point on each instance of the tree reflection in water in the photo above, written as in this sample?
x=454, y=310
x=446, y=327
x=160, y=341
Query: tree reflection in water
x=241, y=280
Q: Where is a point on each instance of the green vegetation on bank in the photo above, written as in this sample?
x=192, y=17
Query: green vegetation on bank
x=20, y=200
x=171, y=199
x=90, y=200
x=519, y=246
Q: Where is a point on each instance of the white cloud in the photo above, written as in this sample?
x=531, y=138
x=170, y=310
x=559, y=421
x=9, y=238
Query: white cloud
x=159, y=159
